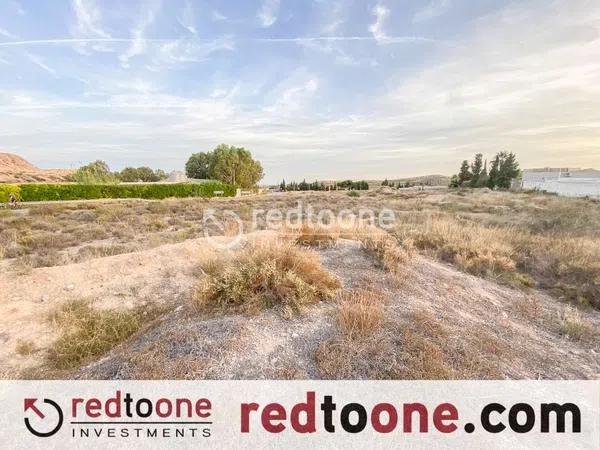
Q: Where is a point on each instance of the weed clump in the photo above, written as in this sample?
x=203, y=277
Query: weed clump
x=359, y=313
x=86, y=333
x=262, y=275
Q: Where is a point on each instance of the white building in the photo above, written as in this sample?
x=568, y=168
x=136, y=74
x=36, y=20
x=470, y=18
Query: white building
x=563, y=181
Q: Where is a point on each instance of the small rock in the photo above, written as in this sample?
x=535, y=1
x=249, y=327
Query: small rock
x=69, y=287
x=295, y=335
x=44, y=298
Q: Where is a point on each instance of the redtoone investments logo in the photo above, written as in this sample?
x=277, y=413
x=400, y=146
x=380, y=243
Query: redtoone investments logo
x=121, y=415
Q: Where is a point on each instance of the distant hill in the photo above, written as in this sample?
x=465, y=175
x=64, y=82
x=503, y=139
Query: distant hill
x=14, y=169
x=427, y=180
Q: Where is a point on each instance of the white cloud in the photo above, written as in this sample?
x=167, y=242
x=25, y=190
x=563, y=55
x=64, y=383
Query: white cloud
x=38, y=61
x=434, y=9
x=381, y=14
x=537, y=93
x=7, y=34
x=218, y=17
x=88, y=19
x=187, y=18
x=268, y=13
x=139, y=43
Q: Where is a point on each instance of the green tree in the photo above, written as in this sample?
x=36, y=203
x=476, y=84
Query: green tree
x=483, y=177
x=96, y=172
x=508, y=170
x=465, y=174
x=235, y=165
x=198, y=165
x=476, y=168
x=494, y=171
x=454, y=181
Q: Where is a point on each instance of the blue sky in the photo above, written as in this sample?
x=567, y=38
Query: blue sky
x=314, y=88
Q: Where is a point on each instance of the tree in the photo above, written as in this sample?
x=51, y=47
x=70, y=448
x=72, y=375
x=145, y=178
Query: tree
x=494, y=171
x=226, y=163
x=476, y=168
x=96, y=172
x=483, y=177
x=508, y=170
x=385, y=182
x=198, y=165
x=145, y=174
x=236, y=166
x=464, y=175
x=454, y=181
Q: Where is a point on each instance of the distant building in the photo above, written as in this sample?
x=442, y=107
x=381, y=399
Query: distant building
x=177, y=177
x=563, y=181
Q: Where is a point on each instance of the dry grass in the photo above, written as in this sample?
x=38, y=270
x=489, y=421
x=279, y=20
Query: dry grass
x=523, y=239
x=25, y=348
x=265, y=274
x=574, y=326
x=359, y=313
x=86, y=333
x=474, y=248
x=317, y=236
x=392, y=255
x=418, y=348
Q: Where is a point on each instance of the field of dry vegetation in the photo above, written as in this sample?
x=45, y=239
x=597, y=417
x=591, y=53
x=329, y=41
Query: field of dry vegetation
x=466, y=285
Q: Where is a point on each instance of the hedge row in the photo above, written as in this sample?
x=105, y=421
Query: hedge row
x=36, y=192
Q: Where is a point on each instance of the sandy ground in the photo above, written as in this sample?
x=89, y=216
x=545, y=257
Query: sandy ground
x=267, y=345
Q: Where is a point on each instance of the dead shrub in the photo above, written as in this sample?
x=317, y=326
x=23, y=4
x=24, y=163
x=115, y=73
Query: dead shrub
x=86, y=332
x=359, y=313
x=265, y=274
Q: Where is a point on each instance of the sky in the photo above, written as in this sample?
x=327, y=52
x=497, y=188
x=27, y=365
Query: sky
x=316, y=89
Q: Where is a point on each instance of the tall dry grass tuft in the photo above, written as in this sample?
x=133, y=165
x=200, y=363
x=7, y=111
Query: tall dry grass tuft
x=359, y=313
x=265, y=274
x=392, y=255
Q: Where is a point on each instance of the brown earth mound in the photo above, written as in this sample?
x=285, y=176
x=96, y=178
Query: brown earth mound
x=14, y=169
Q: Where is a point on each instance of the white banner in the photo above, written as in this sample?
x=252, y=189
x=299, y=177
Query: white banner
x=300, y=414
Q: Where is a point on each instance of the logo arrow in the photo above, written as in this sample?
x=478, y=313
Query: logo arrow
x=30, y=404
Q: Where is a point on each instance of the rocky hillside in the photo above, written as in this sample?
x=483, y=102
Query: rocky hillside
x=14, y=169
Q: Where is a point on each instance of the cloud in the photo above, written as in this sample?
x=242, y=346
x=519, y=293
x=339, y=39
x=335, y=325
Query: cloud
x=38, y=61
x=138, y=45
x=217, y=16
x=88, y=19
x=187, y=18
x=177, y=52
x=268, y=13
x=434, y=9
x=537, y=94
x=381, y=14
x=7, y=34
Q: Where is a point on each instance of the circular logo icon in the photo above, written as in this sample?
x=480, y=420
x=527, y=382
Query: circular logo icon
x=30, y=405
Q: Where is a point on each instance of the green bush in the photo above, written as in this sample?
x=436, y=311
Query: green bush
x=37, y=192
x=7, y=189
